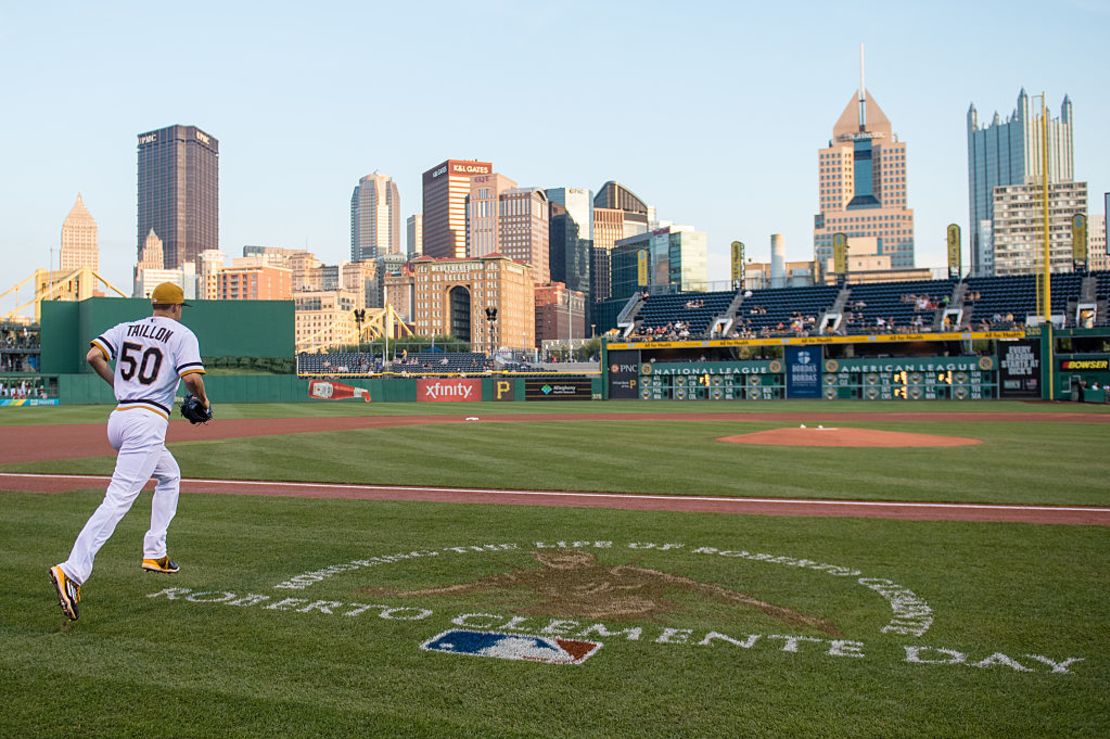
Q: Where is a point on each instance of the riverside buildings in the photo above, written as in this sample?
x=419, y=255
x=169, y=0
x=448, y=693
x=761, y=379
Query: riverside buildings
x=452, y=296
x=178, y=191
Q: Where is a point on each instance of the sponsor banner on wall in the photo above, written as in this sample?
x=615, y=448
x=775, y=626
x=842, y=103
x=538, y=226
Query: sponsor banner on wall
x=803, y=371
x=448, y=390
x=1085, y=364
x=1019, y=369
x=552, y=389
x=325, y=390
x=27, y=402
x=624, y=371
x=504, y=390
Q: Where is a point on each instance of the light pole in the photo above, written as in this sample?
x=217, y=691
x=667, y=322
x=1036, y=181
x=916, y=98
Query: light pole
x=360, y=316
x=491, y=316
x=570, y=328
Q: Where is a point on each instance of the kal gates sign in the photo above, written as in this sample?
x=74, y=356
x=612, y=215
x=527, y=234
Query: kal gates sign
x=559, y=389
x=448, y=391
x=576, y=581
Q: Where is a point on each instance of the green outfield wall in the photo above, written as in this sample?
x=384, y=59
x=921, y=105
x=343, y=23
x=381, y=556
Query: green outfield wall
x=89, y=389
x=225, y=328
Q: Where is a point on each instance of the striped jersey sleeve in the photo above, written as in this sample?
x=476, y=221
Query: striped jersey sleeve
x=108, y=343
x=188, y=355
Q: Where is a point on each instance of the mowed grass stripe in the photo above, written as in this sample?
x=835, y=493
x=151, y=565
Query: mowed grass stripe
x=99, y=413
x=1026, y=463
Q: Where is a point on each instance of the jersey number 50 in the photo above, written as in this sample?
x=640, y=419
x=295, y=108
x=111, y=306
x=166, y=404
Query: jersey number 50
x=147, y=365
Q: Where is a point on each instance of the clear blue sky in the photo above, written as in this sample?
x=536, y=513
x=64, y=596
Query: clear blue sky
x=713, y=112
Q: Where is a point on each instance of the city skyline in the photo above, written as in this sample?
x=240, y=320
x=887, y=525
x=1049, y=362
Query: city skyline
x=751, y=98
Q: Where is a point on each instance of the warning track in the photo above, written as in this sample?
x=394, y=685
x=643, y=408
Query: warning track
x=1071, y=515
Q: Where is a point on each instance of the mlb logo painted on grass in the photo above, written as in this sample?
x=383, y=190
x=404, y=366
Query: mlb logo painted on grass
x=523, y=647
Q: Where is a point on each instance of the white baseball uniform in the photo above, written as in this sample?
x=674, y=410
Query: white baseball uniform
x=151, y=356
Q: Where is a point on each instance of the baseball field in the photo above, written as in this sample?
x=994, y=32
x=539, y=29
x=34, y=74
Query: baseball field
x=677, y=584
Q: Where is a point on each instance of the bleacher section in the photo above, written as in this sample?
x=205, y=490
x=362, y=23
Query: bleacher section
x=660, y=310
x=776, y=309
x=446, y=361
x=1000, y=298
x=342, y=363
x=987, y=303
x=902, y=306
x=337, y=363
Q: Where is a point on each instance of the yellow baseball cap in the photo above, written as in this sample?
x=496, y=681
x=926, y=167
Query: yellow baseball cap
x=168, y=294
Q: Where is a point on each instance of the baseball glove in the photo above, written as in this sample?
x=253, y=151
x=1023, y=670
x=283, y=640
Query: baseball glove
x=195, y=411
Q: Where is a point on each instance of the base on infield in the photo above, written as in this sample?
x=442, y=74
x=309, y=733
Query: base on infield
x=847, y=437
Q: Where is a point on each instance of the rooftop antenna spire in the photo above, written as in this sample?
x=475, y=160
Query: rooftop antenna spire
x=862, y=94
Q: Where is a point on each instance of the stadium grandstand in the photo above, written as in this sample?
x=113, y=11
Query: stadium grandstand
x=983, y=303
x=365, y=363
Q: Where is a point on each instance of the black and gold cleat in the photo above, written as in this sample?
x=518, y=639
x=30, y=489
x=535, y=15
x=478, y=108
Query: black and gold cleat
x=69, y=592
x=162, y=564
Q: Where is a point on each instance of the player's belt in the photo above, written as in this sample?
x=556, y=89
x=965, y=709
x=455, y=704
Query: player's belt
x=146, y=404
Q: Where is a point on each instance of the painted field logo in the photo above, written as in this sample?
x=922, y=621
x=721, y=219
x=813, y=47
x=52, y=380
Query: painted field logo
x=521, y=647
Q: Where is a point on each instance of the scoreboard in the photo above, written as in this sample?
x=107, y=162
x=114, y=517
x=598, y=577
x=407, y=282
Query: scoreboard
x=742, y=380
x=931, y=378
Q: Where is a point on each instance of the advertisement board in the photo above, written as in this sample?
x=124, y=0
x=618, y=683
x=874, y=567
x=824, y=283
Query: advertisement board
x=624, y=370
x=448, y=390
x=504, y=389
x=803, y=371
x=558, y=389
x=1019, y=369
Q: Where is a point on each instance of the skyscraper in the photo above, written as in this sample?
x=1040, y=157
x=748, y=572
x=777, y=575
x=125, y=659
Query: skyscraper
x=152, y=255
x=1010, y=153
x=618, y=213
x=675, y=257
x=79, y=247
x=483, y=213
x=524, y=230
x=862, y=183
x=570, y=255
x=178, y=192
x=572, y=237
x=446, y=187
x=415, y=234
x=375, y=218
x=1017, y=226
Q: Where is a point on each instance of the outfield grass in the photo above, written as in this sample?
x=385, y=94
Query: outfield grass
x=1028, y=462
x=94, y=413
x=141, y=666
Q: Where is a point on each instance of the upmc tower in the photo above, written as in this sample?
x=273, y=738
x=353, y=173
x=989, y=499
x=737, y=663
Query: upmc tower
x=446, y=187
x=179, y=174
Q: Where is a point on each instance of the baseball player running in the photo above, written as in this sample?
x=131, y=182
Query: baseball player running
x=150, y=356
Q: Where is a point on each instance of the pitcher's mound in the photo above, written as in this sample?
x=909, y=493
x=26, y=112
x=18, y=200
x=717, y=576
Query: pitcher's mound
x=846, y=437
